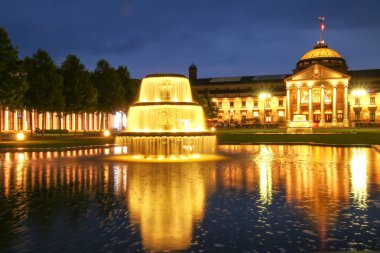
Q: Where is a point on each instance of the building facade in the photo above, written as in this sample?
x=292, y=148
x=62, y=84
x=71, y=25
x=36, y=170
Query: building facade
x=23, y=120
x=321, y=87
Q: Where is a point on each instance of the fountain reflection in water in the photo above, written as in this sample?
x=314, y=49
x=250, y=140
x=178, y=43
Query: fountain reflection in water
x=166, y=122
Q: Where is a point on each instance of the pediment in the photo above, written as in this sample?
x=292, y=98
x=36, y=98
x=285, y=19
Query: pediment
x=317, y=72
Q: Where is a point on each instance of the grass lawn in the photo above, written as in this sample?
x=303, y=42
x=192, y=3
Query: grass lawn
x=340, y=136
x=56, y=142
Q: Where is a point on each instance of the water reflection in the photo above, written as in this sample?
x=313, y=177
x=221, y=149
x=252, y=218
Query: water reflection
x=359, y=178
x=319, y=181
x=264, y=160
x=333, y=189
x=166, y=200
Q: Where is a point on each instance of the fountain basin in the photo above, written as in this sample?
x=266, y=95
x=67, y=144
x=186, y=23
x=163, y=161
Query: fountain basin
x=167, y=145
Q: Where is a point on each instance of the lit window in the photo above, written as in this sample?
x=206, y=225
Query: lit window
x=372, y=115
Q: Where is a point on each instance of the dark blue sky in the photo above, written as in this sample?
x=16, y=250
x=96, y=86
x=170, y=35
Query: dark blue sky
x=222, y=37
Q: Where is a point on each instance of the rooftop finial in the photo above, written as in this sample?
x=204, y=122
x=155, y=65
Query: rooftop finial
x=322, y=28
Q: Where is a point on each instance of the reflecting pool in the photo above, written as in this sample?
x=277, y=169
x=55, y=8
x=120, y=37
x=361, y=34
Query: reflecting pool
x=264, y=198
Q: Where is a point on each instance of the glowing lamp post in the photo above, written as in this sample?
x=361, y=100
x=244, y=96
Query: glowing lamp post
x=106, y=133
x=358, y=93
x=265, y=96
x=20, y=137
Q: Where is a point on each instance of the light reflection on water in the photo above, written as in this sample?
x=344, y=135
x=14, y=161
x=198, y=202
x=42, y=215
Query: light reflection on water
x=266, y=198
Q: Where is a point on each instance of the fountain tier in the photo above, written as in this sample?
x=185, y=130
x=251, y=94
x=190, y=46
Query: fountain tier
x=165, y=121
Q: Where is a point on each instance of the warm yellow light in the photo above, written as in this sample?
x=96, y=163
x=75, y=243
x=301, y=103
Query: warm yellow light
x=359, y=92
x=212, y=129
x=106, y=133
x=264, y=95
x=20, y=137
x=359, y=178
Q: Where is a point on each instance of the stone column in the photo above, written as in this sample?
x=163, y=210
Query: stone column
x=32, y=123
x=15, y=120
x=25, y=121
x=288, y=105
x=40, y=116
x=345, y=112
x=311, y=105
x=68, y=122
x=298, y=100
x=6, y=123
x=334, y=122
x=322, y=121
x=48, y=118
x=73, y=123
x=90, y=121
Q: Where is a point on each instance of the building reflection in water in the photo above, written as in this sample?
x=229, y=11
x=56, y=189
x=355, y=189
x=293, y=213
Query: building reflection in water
x=318, y=181
x=359, y=178
x=166, y=200
x=264, y=160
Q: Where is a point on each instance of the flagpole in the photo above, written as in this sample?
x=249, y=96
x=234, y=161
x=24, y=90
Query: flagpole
x=321, y=28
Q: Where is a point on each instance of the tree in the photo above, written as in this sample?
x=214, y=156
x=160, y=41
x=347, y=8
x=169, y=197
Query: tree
x=110, y=89
x=79, y=92
x=209, y=107
x=12, y=79
x=45, y=93
x=130, y=88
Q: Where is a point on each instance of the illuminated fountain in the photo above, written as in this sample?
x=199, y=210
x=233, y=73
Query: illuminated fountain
x=165, y=122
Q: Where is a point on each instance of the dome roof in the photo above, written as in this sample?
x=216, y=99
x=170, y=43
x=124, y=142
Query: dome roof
x=321, y=51
x=323, y=55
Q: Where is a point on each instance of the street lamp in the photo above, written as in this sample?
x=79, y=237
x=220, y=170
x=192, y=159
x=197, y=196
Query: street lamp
x=265, y=96
x=358, y=93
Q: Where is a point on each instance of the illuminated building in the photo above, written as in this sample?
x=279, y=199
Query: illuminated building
x=23, y=120
x=321, y=87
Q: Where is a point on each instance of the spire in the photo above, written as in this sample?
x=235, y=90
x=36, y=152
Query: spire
x=322, y=28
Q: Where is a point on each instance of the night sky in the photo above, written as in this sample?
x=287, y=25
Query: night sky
x=222, y=37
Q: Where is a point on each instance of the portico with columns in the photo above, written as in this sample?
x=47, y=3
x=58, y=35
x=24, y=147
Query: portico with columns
x=321, y=94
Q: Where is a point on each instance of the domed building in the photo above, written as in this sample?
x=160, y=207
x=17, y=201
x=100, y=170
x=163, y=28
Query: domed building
x=318, y=88
x=321, y=87
x=323, y=55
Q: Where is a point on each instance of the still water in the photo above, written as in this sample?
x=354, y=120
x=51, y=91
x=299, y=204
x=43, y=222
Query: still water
x=264, y=198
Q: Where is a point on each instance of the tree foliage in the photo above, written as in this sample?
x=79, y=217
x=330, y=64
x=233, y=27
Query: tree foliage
x=45, y=93
x=12, y=79
x=36, y=83
x=79, y=92
x=129, y=87
x=204, y=99
x=109, y=86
